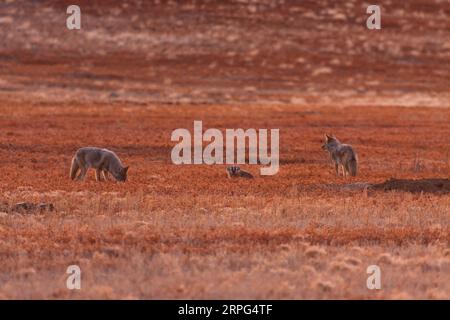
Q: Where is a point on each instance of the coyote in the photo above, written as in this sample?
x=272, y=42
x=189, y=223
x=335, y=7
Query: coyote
x=102, y=160
x=235, y=171
x=342, y=155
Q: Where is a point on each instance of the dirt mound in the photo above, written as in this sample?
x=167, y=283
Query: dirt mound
x=421, y=185
x=27, y=207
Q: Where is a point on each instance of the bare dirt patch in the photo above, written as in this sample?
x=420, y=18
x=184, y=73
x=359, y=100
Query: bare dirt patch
x=420, y=185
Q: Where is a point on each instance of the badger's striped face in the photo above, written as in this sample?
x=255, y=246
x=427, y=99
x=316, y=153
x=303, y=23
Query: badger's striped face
x=233, y=170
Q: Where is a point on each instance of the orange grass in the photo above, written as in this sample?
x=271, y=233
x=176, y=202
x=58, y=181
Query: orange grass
x=189, y=232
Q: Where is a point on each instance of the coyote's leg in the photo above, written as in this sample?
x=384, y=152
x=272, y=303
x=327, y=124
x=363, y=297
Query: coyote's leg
x=105, y=175
x=79, y=174
x=76, y=174
x=336, y=166
x=344, y=171
x=82, y=173
x=98, y=175
x=347, y=170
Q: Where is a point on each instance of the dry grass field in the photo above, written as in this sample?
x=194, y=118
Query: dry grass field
x=139, y=69
x=189, y=232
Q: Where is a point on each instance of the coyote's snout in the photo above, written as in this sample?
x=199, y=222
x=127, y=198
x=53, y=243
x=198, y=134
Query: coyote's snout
x=102, y=160
x=342, y=155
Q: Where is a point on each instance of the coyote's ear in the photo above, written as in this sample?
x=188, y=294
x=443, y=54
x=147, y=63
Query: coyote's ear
x=126, y=168
x=327, y=137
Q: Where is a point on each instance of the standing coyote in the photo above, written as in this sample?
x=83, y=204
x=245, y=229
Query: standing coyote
x=342, y=155
x=102, y=160
x=235, y=171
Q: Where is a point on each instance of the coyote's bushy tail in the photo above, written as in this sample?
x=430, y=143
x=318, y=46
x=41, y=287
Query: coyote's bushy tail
x=74, y=168
x=353, y=166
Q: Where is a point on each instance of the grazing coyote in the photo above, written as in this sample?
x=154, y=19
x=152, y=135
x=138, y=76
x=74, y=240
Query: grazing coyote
x=235, y=171
x=342, y=155
x=102, y=160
